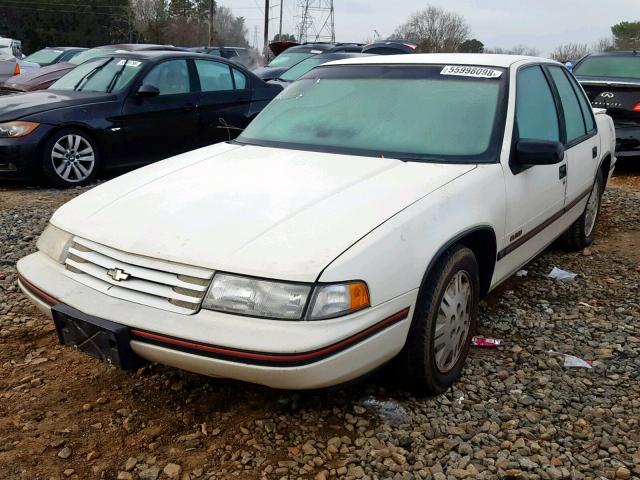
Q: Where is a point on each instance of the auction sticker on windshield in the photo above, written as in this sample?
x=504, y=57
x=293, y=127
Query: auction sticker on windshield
x=465, y=71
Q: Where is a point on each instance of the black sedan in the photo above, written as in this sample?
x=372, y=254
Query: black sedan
x=612, y=81
x=125, y=110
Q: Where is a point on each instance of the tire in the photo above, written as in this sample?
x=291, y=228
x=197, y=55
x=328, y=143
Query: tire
x=70, y=158
x=423, y=365
x=580, y=234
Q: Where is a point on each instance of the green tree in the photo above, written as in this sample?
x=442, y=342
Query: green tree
x=286, y=37
x=66, y=22
x=626, y=35
x=471, y=46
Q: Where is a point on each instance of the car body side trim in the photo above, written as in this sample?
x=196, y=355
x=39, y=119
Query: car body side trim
x=260, y=358
x=539, y=228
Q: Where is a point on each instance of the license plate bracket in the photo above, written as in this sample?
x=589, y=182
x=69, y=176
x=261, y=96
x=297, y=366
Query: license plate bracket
x=100, y=338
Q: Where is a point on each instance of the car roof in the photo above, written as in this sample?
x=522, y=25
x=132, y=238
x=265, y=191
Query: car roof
x=136, y=46
x=153, y=54
x=65, y=48
x=341, y=55
x=617, y=53
x=481, y=59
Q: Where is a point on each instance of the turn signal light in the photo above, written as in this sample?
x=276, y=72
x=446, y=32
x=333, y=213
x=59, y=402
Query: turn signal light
x=16, y=70
x=637, y=107
x=359, y=295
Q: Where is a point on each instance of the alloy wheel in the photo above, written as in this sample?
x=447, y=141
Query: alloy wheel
x=73, y=158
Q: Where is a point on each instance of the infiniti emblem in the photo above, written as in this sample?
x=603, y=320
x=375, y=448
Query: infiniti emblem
x=118, y=275
x=607, y=95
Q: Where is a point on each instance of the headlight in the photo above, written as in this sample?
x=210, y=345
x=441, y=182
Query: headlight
x=17, y=129
x=257, y=298
x=55, y=243
x=280, y=300
x=337, y=300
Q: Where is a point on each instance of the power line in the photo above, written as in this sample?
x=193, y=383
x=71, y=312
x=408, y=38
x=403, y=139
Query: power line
x=41, y=3
x=39, y=9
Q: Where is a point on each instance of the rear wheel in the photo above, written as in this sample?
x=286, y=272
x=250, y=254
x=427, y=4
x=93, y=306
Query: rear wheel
x=443, y=323
x=580, y=234
x=70, y=158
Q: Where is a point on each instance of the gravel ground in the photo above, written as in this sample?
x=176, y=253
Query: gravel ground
x=517, y=412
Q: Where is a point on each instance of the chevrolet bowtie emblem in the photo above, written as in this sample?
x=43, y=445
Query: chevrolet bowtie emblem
x=118, y=275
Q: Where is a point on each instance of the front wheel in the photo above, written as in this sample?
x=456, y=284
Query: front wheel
x=70, y=158
x=443, y=323
x=580, y=234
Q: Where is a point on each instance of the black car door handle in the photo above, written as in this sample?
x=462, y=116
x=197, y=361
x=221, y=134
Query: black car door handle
x=562, y=171
x=189, y=107
x=594, y=152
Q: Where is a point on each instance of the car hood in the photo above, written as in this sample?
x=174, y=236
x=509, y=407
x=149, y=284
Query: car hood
x=15, y=107
x=252, y=210
x=31, y=79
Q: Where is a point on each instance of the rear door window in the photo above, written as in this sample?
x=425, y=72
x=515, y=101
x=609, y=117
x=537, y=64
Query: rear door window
x=573, y=117
x=214, y=76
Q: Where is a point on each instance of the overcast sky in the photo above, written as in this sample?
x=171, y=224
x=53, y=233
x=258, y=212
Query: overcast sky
x=542, y=24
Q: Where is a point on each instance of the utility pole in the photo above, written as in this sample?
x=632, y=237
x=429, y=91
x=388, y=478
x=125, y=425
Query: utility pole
x=281, y=4
x=212, y=8
x=266, y=25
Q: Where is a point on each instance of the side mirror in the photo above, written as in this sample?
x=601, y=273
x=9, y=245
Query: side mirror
x=148, y=91
x=539, y=152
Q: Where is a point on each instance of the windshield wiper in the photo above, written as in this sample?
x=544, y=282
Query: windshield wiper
x=89, y=75
x=115, y=78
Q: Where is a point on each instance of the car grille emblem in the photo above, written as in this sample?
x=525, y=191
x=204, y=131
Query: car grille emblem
x=607, y=95
x=118, y=275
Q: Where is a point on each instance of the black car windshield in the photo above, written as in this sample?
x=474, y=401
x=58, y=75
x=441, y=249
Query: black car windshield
x=303, y=67
x=288, y=60
x=429, y=113
x=94, y=53
x=627, y=66
x=106, y=75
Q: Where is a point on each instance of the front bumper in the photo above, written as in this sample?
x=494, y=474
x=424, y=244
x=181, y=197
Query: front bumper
x=280, y=354
x=20, y=157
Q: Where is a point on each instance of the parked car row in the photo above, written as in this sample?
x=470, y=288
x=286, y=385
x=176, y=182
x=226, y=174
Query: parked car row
x=357, y=221
x=126, y=109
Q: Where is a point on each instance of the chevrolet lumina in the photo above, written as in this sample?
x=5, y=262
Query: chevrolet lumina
x=358, y=220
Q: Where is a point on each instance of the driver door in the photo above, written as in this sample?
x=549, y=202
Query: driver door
x=164, y=125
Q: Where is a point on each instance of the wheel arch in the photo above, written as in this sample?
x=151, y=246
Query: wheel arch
x=605, y=168
x=481, y=240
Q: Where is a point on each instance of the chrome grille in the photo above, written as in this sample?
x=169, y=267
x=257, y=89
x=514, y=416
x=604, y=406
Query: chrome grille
x=156, y=283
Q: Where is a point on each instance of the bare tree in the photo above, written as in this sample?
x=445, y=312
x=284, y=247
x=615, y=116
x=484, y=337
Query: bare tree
x=151, y=19
x=604, y=45
x=434, y=30
x=517, y=50
x=570, y=52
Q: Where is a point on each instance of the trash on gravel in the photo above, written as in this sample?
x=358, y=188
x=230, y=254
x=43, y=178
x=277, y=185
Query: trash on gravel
x=572, y=362
x=490, y=342
x=522, y=273
x=560, y=274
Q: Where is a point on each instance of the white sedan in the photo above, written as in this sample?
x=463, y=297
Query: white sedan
x=358, y=220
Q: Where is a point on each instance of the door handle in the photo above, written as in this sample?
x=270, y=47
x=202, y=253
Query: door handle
x=594, y=152
x=188, y=107
x=562, y=171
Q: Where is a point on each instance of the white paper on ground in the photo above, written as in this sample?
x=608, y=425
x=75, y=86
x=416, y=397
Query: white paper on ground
x=560, y=274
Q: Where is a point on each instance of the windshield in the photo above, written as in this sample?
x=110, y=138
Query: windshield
x=93, y=53
x=46, y=55
x=104, y=75
x=613, y=66
x=300, y=69
x=415, y=113
x=288, y=60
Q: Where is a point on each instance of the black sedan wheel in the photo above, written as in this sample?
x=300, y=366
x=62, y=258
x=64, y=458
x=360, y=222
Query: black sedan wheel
x=70, y=158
